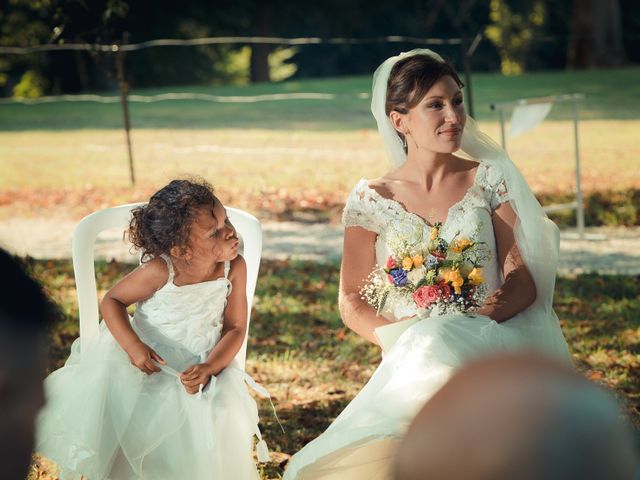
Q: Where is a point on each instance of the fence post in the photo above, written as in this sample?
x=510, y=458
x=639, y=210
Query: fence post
x=467, y=53
x=124, y=90
x=579, y=197
x=466, y=66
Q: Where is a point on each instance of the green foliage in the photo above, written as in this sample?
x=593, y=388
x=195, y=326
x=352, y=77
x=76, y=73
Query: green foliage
x=232, y=66
x=512, y=33
x=602, y=208
x=280, y=63
x=31, y=85
x=615, y=208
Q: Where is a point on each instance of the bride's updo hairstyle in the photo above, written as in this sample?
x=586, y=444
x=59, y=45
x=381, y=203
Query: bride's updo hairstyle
x=411, y=78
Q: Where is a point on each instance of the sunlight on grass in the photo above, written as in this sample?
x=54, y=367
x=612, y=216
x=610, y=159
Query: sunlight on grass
x=255, y=169
x=313, y=365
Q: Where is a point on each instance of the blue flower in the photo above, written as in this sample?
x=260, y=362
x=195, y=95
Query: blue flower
x=399, y=276
x=430, y=262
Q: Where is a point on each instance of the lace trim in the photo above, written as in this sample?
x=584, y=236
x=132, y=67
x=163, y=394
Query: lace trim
x=365, y=208
x=491, y=181
x=368, y=209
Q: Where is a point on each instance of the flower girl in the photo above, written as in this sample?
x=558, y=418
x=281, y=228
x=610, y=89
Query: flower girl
x=159, y=395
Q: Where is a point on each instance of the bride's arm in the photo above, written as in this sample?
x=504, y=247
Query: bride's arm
x=518, y=290
x=358, y=260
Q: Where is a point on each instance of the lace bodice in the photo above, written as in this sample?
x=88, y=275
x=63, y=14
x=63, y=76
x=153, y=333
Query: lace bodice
x=470, y=217
x=188, y=315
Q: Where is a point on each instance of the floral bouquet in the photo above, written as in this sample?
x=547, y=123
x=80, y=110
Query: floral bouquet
x=427, y=274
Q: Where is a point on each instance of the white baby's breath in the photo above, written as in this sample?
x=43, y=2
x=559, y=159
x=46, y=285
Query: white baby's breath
x=416, y=275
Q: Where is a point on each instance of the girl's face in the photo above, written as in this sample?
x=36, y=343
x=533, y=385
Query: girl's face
x=213, y=237
x=436, y=123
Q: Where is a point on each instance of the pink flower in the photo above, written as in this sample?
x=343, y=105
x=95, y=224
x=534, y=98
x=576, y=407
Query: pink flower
x=391, y=263
x=426, y=295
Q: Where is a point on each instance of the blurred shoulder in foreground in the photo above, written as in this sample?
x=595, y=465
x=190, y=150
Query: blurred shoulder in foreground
x=518, y=417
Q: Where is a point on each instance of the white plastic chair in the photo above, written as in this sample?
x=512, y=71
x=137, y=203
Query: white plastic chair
x=83, y=242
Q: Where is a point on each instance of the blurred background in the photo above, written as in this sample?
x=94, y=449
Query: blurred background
x=186, y=114
x=103, y=102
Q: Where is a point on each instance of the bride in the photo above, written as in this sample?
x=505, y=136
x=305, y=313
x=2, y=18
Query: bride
x=447, y=171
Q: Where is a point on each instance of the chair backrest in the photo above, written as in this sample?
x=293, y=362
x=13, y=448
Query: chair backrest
x=84, y=236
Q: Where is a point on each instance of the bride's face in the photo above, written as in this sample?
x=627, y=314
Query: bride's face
x=436, y=123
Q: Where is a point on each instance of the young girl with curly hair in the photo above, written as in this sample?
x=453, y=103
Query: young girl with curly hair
x=159, y=395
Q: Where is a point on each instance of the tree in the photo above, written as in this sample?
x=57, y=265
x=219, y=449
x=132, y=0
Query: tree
x=596, y=34
x=261, y=26
x=513, y=32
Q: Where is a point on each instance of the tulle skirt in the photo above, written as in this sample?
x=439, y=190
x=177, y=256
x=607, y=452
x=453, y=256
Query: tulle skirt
x=360, y=444
x=106, y=419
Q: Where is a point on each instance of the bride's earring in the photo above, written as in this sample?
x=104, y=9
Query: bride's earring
x=405, y=147
x=414, y=140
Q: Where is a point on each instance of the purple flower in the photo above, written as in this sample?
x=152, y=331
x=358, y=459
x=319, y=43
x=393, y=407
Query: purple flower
x=399, y=277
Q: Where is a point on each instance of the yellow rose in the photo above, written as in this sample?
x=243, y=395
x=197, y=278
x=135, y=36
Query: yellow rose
x=418, y=260
x=475, y=276
x=454, y=278
x=434, y=233
x=460, y=245
x=407, y=263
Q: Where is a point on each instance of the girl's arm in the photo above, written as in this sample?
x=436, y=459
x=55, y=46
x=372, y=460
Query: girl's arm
x=233, y=331
x=518, y=290
x=358, y=260
x=138, y=285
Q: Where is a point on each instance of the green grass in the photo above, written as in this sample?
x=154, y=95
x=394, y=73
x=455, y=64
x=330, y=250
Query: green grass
x=313, y=365
x=279, y=158
x=611, y=94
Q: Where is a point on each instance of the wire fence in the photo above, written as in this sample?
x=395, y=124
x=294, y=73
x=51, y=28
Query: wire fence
x=169, y=42
x=271, y=97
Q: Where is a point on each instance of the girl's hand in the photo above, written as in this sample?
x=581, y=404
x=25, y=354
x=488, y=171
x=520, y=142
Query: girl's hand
x=142, y=357
x=194, y=376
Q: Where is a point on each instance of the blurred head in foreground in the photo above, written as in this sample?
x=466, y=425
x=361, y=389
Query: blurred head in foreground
x=24, y=312
x=517, y=417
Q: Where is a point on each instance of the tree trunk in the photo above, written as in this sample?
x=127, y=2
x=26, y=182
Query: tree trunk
x=261, y=27
x=596, y=35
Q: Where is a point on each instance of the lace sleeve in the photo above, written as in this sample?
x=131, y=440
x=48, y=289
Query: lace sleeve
x=494, y=186
x=360, y=209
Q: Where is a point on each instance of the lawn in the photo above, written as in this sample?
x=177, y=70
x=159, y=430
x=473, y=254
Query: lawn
x=274, y=157
x=313, y=365
x=610, y=95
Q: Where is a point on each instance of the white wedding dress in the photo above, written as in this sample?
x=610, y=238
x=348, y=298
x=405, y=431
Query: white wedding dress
x=360, y=443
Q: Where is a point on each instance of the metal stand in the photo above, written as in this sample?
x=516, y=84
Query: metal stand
x=578, y=204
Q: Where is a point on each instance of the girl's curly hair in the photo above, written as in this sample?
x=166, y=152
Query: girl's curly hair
x=165, y=222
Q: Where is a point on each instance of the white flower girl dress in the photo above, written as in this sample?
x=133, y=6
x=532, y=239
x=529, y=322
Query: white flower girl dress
x=104, y=418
